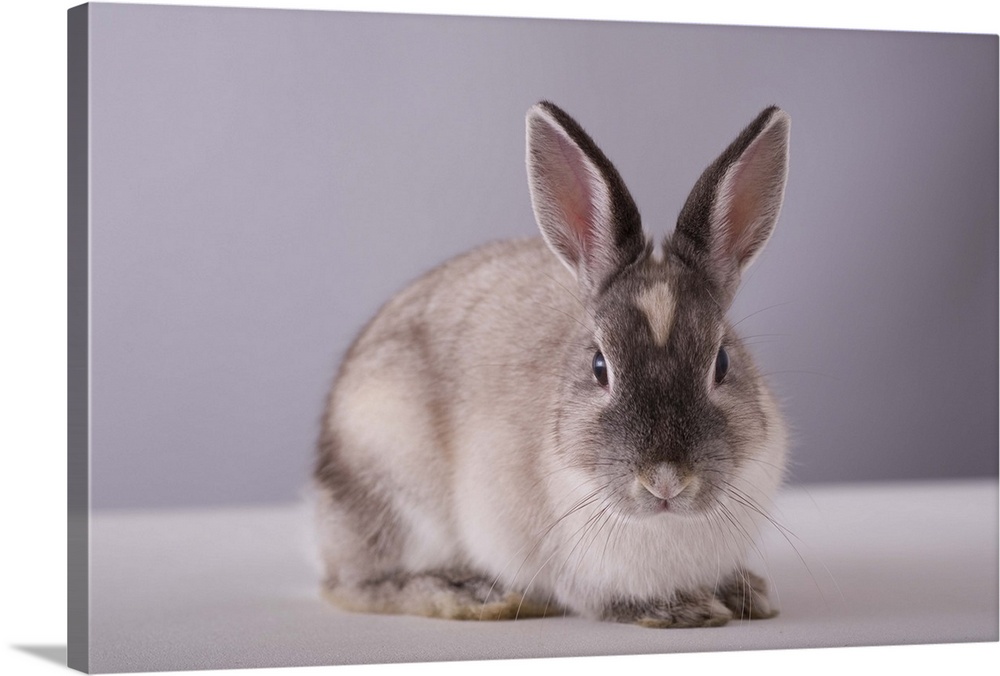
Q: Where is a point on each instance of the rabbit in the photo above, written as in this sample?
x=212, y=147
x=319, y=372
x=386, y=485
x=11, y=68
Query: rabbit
x=565, y=424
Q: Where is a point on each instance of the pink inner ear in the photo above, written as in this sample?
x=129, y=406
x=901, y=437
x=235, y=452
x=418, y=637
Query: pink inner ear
x=574, y=194
x=571, y=198
x=750, y=195
x=743, y=209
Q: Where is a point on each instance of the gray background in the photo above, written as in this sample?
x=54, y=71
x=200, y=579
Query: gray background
x=262, y=180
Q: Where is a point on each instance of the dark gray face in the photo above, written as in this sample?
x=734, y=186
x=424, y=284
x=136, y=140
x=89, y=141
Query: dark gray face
x=672, y=424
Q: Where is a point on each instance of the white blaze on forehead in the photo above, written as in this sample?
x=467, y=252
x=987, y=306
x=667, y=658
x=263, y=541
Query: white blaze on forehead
x=657, y=302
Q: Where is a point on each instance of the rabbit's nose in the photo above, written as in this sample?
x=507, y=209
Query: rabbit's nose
x=664, y=481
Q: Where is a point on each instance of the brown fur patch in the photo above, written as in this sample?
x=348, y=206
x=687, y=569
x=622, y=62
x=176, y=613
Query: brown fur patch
x=657, y=303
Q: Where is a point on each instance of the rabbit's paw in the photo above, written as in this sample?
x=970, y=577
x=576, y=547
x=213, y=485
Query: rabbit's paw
x=696, y=609
x=745, y=594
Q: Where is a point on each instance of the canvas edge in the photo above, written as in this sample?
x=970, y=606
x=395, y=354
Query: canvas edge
x=78, y=340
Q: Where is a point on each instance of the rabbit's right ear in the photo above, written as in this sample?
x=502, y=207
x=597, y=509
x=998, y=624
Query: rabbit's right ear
x=582, y=206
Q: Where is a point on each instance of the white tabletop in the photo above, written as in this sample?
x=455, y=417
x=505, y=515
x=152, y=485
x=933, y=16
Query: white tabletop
x=859, y=564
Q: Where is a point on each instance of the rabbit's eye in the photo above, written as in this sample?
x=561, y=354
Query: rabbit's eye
x=600, y=369
x=721, y=365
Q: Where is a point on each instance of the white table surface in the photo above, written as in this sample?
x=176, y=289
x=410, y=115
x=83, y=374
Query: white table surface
x=872, y=564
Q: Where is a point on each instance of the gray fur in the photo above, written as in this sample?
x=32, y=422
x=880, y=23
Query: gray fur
x=700, y=608
x=471, y=464
x=743, y=596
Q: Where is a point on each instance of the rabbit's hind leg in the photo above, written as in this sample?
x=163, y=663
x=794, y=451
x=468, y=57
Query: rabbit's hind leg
x=455, y=594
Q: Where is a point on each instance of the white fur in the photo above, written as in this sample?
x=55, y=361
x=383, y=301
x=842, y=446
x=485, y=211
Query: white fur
x=583, y=568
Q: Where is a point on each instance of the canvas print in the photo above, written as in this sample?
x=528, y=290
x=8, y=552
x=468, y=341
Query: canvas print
x=405, y=338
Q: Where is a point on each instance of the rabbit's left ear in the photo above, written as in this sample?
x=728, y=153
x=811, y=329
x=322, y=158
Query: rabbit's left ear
x=731, y=212
x=582, y=206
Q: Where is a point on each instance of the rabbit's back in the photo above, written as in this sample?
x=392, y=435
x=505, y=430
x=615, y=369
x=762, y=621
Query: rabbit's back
x=472, y=330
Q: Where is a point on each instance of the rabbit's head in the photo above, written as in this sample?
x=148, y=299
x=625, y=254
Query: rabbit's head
x=662, y=407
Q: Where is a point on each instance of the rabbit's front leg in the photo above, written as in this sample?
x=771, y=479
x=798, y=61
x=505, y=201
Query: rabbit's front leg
x=700, y=608
x=742, y=596
x=745, y=594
